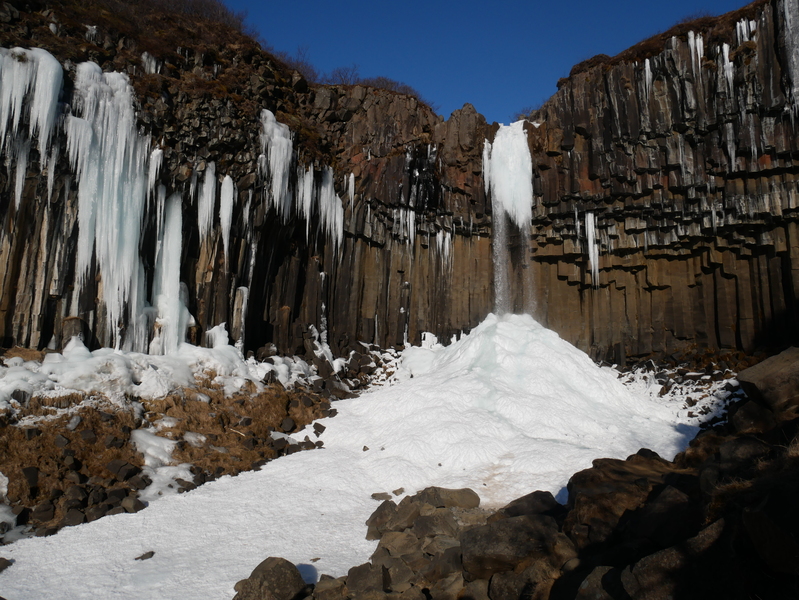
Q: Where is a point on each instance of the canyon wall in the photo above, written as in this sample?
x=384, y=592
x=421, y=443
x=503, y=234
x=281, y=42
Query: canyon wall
x=374, y=224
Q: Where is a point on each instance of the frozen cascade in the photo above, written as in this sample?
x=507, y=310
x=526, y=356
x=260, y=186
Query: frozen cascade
x=593, y=250
x=276, y=148
x=351, y=187
x=172, y=315
x=206, y=200
x=110, y=160
x=227, y=196
x=150, y=63
x=507, y=175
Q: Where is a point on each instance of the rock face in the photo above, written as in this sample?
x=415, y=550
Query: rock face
x=679, y=153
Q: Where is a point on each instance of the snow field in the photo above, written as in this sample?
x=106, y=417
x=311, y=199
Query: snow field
x=507, y=409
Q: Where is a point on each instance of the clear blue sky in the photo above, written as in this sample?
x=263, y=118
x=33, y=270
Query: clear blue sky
x=501, y=56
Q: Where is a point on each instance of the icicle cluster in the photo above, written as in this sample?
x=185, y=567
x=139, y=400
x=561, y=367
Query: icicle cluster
x=308, y=200
x=110, y=160
x=593, y=250
x=30, y=83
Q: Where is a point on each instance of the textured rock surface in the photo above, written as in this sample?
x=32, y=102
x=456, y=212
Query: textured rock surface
x=681, y=149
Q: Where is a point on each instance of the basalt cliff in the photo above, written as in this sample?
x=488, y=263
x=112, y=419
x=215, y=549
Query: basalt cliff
x=169, y=175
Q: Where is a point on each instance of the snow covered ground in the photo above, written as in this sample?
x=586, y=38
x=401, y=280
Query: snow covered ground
x=508, y=409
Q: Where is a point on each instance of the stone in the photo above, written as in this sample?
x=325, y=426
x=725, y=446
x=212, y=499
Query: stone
x=449, y=498
x=43, y=512
x=399, y=543
x=368, y=577
x=31, y=475
x=4, y=564
x=536, y=503
x=439, y=523
x=273, y=579
x=376, y=523
x=593, y=586
x=132, y=504
x=88, y=436
x=330, y=589
x=504, y=544
x=660, y=576
x=73, y=517
x=774, y=381
x=752, y=417
x=145, y=556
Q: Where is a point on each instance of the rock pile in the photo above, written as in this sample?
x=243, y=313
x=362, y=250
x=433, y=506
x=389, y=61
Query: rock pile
x=718, y=521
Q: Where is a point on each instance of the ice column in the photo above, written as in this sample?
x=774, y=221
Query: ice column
x=206, y=201
x=226, y=198
x=172, y=315
x=593, y=251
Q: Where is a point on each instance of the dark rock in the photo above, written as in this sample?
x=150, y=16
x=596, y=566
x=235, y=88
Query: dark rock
x=287, y=425
x=367, y=577
x=753, y=417
x=399, y=543
x=775, y=381
x=593, y=586
x=73, y=517
x=742, y=453
x=60, y=441
x=88, y=436
x=145, y=556
x=32, y=432
x=663, y=574
x=376, y=523
x=448, y=498
x=43, y=512
x=31, y=475
x=502, y=545
x=132, y=504
x=441, y=522
x=4, y=564
x=330, y=589
x=274, y=579
x=536, y=503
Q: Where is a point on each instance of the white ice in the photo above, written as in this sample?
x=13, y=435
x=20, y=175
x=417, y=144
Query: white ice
x=508, y=409
x=508, y=173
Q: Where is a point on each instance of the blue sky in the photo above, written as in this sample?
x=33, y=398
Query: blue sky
x=500, y=56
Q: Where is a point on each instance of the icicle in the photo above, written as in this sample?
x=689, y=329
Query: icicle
x=351, y=188
x=305, y=196
x=577, y=222
x=150, y=63
x=277, y=148
x=51, y=166
x=21, y=151
x=729, y=69
x=173, y=317
x=331, y=211
x=647, y=78
x=227, y=197
x=593, y=251
x=206, y=201
x=156, y=158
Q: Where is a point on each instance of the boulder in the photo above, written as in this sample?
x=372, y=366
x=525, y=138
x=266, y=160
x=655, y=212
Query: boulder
x=449, y=498
x=273, y=579
x=775, y=381
x=505, y=544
